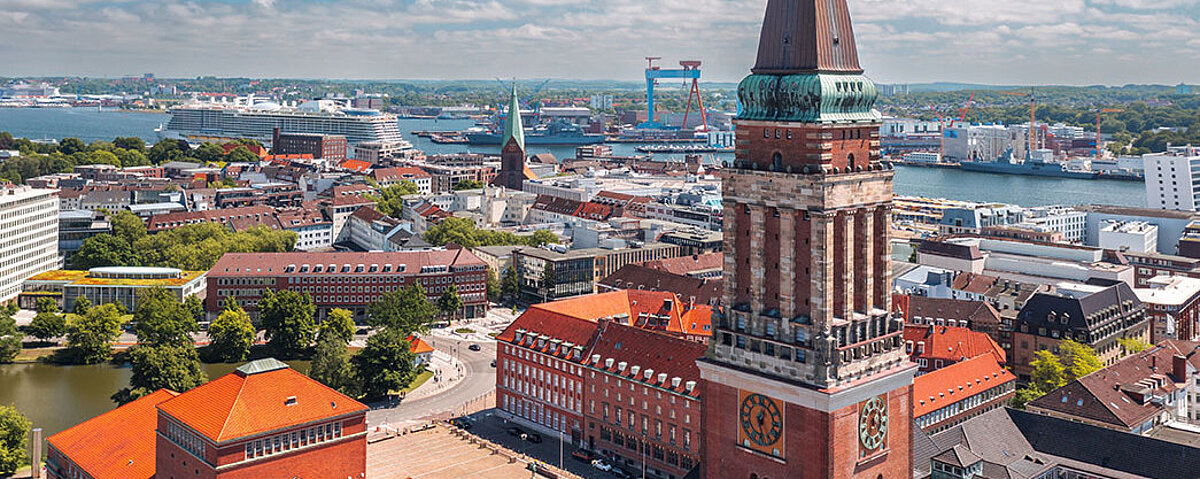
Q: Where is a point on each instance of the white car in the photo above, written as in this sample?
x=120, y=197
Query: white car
x=601, y=465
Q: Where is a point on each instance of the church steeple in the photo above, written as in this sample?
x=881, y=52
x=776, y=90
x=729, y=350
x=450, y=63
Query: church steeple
x=513, y=130
x=807, y=36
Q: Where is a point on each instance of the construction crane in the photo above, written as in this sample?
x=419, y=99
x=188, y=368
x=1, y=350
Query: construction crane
x=962, y=115
x=1098, y=115
x=690, y=71
x=1032, y=117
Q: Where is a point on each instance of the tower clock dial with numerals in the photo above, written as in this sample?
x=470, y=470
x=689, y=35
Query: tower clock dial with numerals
x=872, y=426
x=761, y=421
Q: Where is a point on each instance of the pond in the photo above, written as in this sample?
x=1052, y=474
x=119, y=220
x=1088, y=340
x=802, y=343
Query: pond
x=58, y=397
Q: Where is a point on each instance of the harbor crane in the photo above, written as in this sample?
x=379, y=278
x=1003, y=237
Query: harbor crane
x=1098, y=115
x=690, y=71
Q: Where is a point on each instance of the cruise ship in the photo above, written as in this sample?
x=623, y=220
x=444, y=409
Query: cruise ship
x=244, y=118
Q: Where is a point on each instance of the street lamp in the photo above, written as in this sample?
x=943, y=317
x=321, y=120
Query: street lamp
x=560, y=449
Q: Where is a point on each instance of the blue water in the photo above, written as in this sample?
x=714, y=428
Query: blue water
x=88, y=124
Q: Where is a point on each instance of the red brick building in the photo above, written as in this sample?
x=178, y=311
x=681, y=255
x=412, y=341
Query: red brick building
x=935, y=347
x=1173, y=306
x=350, y=281
x=262, y=420
x=807, y=376
x=327, y=147
x=544, y=357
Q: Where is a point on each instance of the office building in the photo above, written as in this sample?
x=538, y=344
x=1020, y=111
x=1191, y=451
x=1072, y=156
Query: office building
x=320, y=146
x=112, y=284
x=1173, y=179
x=28, y=236
x=949, y=396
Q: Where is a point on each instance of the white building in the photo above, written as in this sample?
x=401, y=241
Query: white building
x=1070, y=222
x=1173, y=179
x=1135, y=236
x=899, y=127
x=28, y=236
x=976, y=142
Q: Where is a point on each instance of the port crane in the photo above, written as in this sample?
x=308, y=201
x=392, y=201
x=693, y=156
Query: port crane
x=1098, y=115
x=690, y=71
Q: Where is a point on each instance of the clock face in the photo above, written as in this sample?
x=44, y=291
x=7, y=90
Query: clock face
x=872, y=426
x=761, y=421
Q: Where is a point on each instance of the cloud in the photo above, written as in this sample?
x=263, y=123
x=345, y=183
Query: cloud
x=992, y=41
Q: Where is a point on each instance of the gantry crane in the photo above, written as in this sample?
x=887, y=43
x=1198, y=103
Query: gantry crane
x=690, y=71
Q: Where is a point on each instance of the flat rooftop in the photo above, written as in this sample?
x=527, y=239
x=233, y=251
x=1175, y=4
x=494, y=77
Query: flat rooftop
x=438, y=454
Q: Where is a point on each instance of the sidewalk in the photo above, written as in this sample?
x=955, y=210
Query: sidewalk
x=447, y=372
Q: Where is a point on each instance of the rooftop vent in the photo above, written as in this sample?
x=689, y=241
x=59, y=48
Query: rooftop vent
x=290, y=401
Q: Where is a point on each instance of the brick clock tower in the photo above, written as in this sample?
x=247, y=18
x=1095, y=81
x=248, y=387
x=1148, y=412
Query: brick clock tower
x=806, y=376
x=513, y=171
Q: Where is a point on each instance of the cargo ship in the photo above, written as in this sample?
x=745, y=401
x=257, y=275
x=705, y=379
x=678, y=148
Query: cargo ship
x=1006, y=164
x=554, y=134
x=244, y=118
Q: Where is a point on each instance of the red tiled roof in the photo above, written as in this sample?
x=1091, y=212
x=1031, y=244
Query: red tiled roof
x=118, y=444
x=953, y=343
x=419, y=346
x=651, y=352
x=634, y=276
x=237, y=404
x=273, y=264
x=660, y=310
x=689, y=264
x=974, y=283
x=956, y=382
x=399, y=173
x=356, y=165
x=224, y=215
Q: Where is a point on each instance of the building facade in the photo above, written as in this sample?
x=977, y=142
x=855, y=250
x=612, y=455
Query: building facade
x=807, y=376
x=1173, y=306
x=113, y=284
x=351, y=281
x=28, y=236
x=320, y=146
x=947, y=397
x=1173, y=179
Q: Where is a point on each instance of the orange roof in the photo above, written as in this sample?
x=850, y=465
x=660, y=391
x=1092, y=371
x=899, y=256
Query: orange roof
x=252, y=400
x=419, y=346
x=96, y=446
x=356, y=165
x=956, y=382
x=953, y=343
x=631, y=307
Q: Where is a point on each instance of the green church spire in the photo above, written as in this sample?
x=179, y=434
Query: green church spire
x=512, y=127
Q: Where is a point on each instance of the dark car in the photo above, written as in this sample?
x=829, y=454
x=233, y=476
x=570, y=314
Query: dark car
x=474, y=347
x=584, y=455
x=618, y=472
x=515, y=431
x=533, y=437
x=462, y=422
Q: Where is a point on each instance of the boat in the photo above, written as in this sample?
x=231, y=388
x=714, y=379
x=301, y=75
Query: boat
x=1006, y=164
x=558, y=133
x=683, y=149
x=198, y=122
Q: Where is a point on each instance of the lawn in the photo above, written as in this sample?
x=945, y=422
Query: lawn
x=417, y=381
x=464, y=331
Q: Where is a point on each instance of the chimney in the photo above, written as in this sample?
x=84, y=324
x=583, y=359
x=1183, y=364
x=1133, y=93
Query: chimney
x=1179, y=368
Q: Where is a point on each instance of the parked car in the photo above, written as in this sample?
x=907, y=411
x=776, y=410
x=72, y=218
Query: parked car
x=515, y=431
x=584, y=455
x=601, y=465
x=618, y=472
x=462, y=422
x=533, y=437
x=474, y=347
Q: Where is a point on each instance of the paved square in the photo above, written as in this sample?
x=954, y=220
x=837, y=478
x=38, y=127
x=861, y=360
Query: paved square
x=438, y=454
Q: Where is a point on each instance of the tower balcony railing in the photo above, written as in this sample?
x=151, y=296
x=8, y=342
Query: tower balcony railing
x=870, y=347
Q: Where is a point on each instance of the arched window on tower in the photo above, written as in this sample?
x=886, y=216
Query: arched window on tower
x=777, y=162
x=850, y=160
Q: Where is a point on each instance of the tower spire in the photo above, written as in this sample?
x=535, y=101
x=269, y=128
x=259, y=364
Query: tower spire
x=513, y=130
x=807, y=36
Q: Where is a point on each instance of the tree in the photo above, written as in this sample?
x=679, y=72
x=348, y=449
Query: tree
x=14, y=429
x=548, y=280
x=467, y=185
x=287, y=319
x=493, y=286
x=385, y=365
x=339, y=325
x=167, y=150
x=82, y=305
x=71, y=146
x=161, y=320
x=231, y=336
x=127, y=226
x=391, y=199
x=207, y=152
x=406, y=311
x=511, y=284
x=90, y=337
x=1023, y=396
x=161, y=367
x=449, y=302
x=541, y=238
x=1133, y=345
x=1079, y=360
x=331, y=365
x=1048, y=372
x=47, y=324
x=104, y=250
x=131, y=143
x=10, y=339
x=242, y=154
x=102, y=157
x=194, y=306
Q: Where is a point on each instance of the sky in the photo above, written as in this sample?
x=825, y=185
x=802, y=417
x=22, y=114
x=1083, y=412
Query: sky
x=1077, y=42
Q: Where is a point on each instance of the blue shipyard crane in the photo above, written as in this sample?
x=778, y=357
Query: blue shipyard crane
x=690, y=71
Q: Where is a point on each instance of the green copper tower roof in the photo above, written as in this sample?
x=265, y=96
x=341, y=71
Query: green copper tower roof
x=512, y=127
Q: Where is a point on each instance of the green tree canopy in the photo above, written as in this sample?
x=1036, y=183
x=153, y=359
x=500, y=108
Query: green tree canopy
x=231, y=336
x=449, y=302
x=82, y=305
x=287, y=319
x=104, y=250
x=161, y=367
x=462, y=231
x=331, y=365
x=406, y=311
x=128, y=226
x=102, y=157
x=1079, y=360
x=14, y=429
x=90, y=336
x=162, y=320
x=1133, y=345
x=468, y=185
x=511, y=284
x=131, y=143
x=493, y=286
x=70, y=146
x=241, y=154
x=10, y=339
x=47, y=324
x=391, y=199
x=385, y=365
x=1048, y=372
x=209, y=152
x=338, y=324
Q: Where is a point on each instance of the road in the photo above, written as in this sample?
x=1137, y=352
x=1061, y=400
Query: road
x=480, y=380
